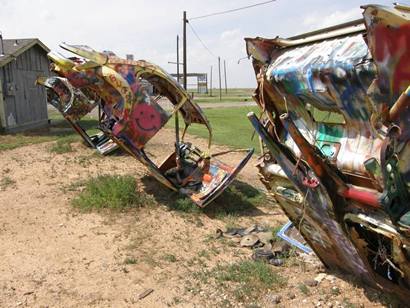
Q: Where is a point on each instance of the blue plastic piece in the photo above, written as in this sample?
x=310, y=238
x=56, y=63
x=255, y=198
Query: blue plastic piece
x=282, y=235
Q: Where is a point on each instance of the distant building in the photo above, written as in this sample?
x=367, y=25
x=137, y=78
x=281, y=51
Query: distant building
x=130, y=57
x=201, y=81
x=23, y=105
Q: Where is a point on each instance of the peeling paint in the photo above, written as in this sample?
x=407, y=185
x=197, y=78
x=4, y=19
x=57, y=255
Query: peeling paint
x=336, y=135
x=11, y=121
x=131, y=117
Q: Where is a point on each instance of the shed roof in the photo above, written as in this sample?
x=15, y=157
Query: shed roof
x=15, y=47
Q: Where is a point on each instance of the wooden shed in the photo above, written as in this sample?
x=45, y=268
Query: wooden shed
x=23, y=105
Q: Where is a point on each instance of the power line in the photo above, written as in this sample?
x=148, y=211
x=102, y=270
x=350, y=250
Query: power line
x=199, y=39
x=232, y=10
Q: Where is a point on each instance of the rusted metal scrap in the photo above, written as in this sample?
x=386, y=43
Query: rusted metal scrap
x=132, y=117
x=73, y=106
x=336, y=132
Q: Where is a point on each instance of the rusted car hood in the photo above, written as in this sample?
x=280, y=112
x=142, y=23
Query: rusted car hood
x=336, y=131
x=132, y=117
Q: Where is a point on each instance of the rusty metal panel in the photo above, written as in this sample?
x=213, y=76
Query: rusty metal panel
x=336, y=130
x=132, y=117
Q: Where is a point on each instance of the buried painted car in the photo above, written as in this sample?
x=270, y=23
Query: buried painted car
x=132, y=117
x=336, y=136
x=73, y=106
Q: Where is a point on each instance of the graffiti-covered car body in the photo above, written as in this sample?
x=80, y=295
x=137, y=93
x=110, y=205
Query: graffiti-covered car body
x=73, y=105
x=335, y=133
x=132, y=117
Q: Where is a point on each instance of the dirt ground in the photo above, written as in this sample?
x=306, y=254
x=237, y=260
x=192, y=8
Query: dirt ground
x=52, y=255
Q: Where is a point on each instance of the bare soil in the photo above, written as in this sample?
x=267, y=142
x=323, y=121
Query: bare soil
x=53, y=255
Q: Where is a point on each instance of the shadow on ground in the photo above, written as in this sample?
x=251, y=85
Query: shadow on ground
x=239, y=199
x=55, y=130
x=373, y=295
x=61, y=128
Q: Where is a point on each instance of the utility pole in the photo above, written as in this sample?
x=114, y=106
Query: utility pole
x=210, y=86
x=220, y=82
x=177, y=147
x=226, y=84
x=178, y=58
x=184, y=51
x=2, y=45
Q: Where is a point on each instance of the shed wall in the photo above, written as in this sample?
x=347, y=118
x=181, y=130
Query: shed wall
x=2, y=111
x=25, y=104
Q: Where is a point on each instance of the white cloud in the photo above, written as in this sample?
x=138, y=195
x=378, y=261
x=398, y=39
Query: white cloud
x=230, y=34
x=148, y=28
x=319, y=20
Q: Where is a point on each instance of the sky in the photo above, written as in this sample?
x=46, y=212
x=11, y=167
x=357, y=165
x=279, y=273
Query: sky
x=148, y=28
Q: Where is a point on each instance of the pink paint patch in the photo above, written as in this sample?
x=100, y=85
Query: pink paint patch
x=146, y=120
x=391, y=46
x=117, y=128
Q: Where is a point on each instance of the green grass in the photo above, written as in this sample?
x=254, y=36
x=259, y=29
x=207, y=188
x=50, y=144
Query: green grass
x=111, y=192
x=275, y=231
x=230, y=126
x=63, y=145
x=130, y=260
x=204, y=254
x=346, y=303
x=304, y=289
x=6, y=182
x=10, y=142
x=335, y=291
x=184, y=204
x=170, y=258
x=244, y=280
x=238, y=199
x=58, y=130
x=233, y=96
x=327, y=116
